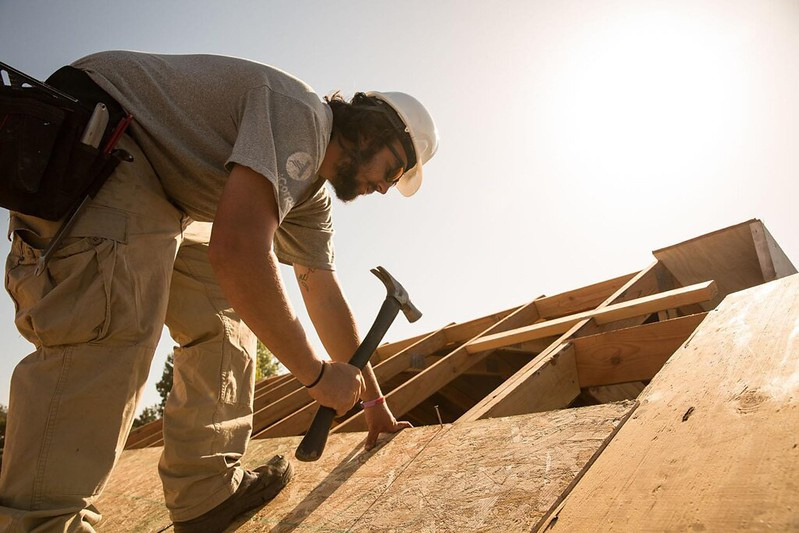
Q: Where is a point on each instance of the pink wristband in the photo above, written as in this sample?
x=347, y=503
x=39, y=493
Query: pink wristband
x=371, y=403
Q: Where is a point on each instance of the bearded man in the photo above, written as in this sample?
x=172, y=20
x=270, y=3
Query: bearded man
x=218, y=140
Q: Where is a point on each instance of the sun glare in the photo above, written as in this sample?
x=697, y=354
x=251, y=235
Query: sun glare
x=650, y=96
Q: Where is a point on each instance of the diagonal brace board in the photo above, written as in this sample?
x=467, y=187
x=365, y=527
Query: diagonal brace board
x=512, y=396
x=692, y=294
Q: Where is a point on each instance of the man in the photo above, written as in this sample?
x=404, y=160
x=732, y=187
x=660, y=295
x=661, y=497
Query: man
x=220, y=140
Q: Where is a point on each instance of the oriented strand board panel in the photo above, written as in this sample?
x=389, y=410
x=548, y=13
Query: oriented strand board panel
x=133, y=499
x=714, y=444
x=502, y=474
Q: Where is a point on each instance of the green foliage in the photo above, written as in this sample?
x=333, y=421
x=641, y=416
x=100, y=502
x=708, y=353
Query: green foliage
x=3, y=414
x=148, y=414
x=267, y=363
x=165, y=384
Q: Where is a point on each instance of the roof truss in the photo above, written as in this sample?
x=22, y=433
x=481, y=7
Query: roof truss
x=605, y=340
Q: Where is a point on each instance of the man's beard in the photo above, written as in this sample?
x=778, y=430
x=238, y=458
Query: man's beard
x=344, y=183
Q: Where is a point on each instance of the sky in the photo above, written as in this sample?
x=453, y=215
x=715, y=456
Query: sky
x=576, y=136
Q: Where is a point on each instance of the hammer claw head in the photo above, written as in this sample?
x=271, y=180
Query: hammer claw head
x=398, y=292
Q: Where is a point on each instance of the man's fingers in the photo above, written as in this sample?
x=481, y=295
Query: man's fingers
x=371, y=437
x=371, y=440
x=403, y=424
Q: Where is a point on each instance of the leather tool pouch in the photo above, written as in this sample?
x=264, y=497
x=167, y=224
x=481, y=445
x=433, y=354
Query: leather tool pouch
x=45, y=169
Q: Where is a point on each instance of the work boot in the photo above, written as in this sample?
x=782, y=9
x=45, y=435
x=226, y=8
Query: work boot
x=257, y=487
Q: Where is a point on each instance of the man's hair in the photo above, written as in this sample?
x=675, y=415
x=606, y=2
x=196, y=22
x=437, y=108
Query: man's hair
x=364, y=122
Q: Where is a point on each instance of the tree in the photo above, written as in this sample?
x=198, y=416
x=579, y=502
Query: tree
x=266, y=363
x=148, y=414
x=3, y=414
x=164, y=385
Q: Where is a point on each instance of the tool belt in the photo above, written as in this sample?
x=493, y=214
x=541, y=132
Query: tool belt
x=57, y=141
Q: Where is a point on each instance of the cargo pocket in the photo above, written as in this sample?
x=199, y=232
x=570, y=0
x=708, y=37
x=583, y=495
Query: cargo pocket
x=69, y=302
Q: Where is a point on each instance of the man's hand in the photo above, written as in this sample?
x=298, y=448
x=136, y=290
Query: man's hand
x=335, y=324
x=340, y=387
x=379, y=419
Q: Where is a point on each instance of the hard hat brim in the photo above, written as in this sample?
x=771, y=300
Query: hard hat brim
x=410, y=182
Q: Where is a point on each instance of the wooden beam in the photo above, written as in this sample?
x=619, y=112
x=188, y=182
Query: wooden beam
x=713, y=445
x=155, y=439
x=699, y=292
x=614, y=393
x=275, y=392
x=464, y=331
x=417, y=389
x=630, y=354
x=582, y=299
x=295, y=423
x=267, y=382
x=521, y=385
x=142, y=437
x=653, y=280
x=404, y=359
x=551, y=383
x=503, y=362
x=565, y=303
x=454, y=333
x=281, y=408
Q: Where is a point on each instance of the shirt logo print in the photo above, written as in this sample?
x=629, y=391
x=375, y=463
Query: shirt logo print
x=299, y=166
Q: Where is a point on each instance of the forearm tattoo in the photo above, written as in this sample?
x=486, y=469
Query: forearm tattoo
x=303, y=279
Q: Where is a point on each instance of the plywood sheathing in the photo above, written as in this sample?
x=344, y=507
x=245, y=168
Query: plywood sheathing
x=713, y=445
x=502, y=474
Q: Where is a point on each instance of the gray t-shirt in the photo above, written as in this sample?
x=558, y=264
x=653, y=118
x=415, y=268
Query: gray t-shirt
x=197, y=115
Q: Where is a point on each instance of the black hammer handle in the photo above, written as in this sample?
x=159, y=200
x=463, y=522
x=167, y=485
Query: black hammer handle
x=313, y=444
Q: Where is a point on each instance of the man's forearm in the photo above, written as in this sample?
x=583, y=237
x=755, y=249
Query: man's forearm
x=251, y=280
x=240, y=252
x=333, y=319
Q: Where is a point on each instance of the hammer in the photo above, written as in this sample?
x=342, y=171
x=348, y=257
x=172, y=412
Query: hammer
x=313, y=444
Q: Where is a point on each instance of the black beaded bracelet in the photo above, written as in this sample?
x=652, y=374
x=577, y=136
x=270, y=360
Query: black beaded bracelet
x=319, y=377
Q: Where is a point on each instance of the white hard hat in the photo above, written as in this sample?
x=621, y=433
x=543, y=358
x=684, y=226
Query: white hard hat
x=422, y=130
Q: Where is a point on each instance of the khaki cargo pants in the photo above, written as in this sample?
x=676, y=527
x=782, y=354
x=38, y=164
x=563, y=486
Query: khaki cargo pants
x=95, y=317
